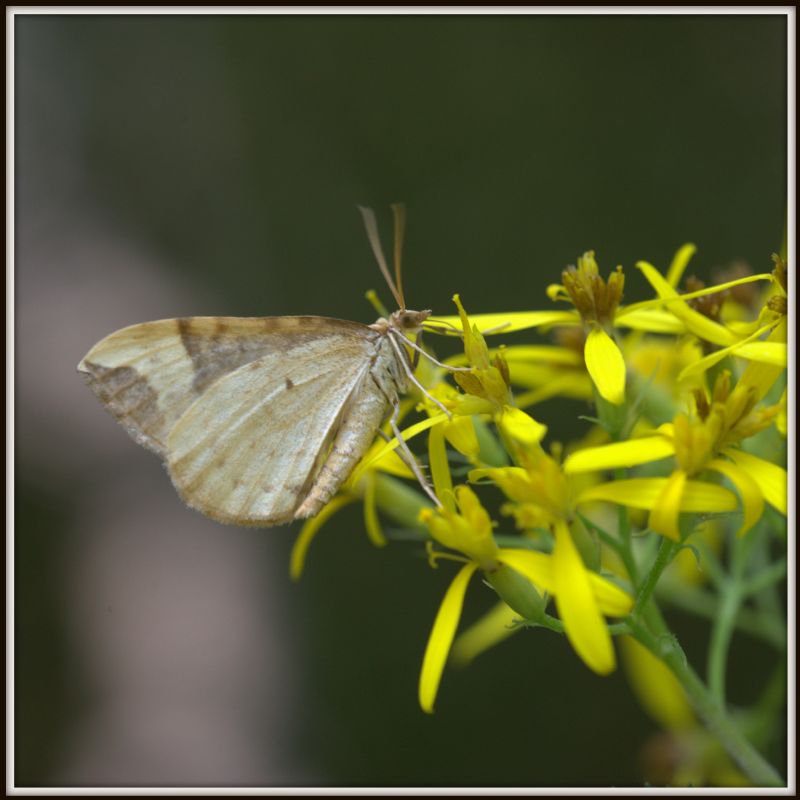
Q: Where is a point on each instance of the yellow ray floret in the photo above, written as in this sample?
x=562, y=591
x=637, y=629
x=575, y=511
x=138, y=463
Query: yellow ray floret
x=441, y=637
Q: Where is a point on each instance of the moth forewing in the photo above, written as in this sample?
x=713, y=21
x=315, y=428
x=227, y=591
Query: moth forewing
x=266, y=420
x=142, y=374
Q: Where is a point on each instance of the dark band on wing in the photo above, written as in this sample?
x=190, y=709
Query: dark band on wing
x=131, y=400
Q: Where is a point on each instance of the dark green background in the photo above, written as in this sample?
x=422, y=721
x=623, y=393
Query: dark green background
x=238, y=148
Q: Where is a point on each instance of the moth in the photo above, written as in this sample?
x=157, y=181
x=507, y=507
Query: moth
x=260, y=420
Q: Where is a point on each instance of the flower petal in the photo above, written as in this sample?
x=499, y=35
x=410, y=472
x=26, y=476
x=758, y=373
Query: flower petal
x=388, y=462
x=679, y=263
x=620, y=454
x=504, y=323
x=531, y=564
x=407, y=434
x=491, y=629
x=460, y=432
x=749, y=491
x=643, y=493
x=606, y=365
x=698, y=324
x=541, y=354
x=584, y=625
x=309, y=531
x=764, y=352
x=780, y=420
x=761, y=375
x=775, y=353
x=538, y=569
x=371, y=520
x=655, y=686
x=440, y=468
x=521, y=426
x=653, y=320
x=665, y=511
x=612, y=601
x=444, y=629
x=771, y=479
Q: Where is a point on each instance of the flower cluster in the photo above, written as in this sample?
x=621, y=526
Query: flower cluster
x=681, y=463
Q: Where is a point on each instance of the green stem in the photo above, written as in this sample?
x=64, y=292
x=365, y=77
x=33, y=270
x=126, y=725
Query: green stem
x=765, y=578
x=620, y=548
x=721, y=635
x=704, y=604
x=731, y=596
x=760, y=720
x=767, y=599
x=752, y=763
x=666, y=551
x=710, y=563
x=647, y=625
x=624, y=527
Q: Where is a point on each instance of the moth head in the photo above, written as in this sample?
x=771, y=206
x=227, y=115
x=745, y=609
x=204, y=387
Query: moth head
x=407, y=321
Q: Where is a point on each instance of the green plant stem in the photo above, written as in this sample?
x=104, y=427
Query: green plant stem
x=624, y=527
x=704, y=604
x=666, y=552
x=721, y=635
x=766, y=578
x=648, y=626
x=621, y=548
x=716, y=720
x=709, y=562
x=760, y=720
x=731, y=595
x=767, y=599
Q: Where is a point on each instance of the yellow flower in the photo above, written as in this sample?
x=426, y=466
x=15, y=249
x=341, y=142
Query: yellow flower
x=598, y=312
x=697, y=444
x=468, y=529
x=459, y=429
x=488, y=387
x=597, y=301
x=744, y=342
x=539, y=491
x=582, y=597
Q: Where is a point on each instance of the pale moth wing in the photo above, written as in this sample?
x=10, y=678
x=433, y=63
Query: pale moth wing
x=242, y=410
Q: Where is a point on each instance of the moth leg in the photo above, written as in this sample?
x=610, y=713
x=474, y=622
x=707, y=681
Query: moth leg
x=403, y=454
x=415, y=357
x=410, y=375
x=408, y=457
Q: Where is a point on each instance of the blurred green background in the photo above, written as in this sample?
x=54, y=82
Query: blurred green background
x=171, y=165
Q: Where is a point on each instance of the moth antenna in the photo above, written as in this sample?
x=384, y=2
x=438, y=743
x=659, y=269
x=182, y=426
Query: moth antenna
x=375, y=242
x=399, y=212
x=443, y=327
